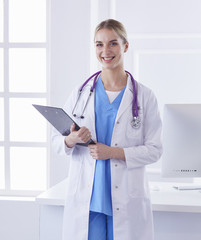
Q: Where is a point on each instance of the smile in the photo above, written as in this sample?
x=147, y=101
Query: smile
x=108, y=59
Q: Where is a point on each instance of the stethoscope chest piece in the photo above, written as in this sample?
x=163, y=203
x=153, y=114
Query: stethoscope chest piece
x=136, y=122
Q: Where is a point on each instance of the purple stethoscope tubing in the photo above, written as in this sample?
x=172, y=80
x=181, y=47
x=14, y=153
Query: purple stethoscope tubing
x=95, y=75
x=134, y=103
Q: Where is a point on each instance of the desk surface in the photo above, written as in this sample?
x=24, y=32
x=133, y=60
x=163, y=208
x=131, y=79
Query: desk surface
x=163, y=196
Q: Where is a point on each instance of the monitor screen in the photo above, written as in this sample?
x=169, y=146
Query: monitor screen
x=181, y=140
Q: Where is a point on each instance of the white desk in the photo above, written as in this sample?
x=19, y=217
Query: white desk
x=166, y=198
x=172, y=209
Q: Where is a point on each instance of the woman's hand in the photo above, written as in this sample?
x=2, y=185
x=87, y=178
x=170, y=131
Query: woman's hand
x=83, y=135
x=101, y=151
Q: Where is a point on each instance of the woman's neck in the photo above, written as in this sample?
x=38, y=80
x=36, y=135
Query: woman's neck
x=114, y=80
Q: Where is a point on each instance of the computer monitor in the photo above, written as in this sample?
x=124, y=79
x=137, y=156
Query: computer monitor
x=181, y=141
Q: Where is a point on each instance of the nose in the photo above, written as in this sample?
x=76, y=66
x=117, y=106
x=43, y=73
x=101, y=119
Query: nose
x=106, y=50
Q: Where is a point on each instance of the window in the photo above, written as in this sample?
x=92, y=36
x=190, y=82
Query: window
x=23, y=82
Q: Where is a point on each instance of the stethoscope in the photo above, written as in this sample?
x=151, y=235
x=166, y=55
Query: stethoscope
x=136, y=121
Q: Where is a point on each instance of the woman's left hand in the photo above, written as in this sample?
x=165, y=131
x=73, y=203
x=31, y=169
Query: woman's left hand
x=100, y=151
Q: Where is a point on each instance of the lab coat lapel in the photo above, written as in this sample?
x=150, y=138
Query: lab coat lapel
x=91, y=115
x=126, y=101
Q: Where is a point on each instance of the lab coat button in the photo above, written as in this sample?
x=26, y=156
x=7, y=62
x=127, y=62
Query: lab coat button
x=116, y=165
x=116, y=186
x=115, y=144
x=117, y=209
x=117, y=122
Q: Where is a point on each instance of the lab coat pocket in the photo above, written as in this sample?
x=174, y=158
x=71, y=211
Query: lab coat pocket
x=132, y=133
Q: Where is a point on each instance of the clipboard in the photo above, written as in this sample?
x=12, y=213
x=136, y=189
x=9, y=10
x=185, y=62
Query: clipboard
x=60, y=120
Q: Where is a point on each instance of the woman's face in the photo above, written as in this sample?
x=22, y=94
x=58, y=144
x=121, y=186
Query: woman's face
x=110, y=48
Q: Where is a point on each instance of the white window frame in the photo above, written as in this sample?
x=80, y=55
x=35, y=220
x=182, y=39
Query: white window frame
x=6, y=95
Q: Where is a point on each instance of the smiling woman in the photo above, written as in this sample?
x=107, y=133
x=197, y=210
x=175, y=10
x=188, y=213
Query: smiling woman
x=110, y=49
x=107, y=193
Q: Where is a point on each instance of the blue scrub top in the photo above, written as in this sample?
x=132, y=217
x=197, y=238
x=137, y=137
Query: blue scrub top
x=105, y=115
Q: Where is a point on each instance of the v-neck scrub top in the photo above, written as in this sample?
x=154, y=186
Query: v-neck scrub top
x=105, y=115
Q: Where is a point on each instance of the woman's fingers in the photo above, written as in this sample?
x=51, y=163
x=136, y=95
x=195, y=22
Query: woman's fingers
x=99, y=151
x=84, y=134
x=72, y=128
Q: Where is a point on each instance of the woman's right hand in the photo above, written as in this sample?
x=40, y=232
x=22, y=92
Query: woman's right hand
x=83, y=135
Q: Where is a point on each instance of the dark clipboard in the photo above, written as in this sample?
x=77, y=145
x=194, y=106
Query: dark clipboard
x=59, y=119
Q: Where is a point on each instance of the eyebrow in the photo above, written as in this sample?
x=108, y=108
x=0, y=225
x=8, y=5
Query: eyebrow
x=114, y=40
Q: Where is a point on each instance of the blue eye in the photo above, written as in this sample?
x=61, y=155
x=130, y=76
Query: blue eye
x=113, y=44
x=99, y=45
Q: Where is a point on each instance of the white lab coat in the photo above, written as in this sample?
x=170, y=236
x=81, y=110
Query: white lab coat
x=132, y=213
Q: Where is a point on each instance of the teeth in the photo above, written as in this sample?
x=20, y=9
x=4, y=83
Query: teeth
x=108, y=58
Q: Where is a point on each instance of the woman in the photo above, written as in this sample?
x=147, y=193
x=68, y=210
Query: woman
x=107, y=193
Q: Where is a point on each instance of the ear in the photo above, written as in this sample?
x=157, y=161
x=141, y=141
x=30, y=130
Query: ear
x=126, y=47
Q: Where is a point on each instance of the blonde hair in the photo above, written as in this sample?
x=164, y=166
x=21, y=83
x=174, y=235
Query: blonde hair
x=115, y=25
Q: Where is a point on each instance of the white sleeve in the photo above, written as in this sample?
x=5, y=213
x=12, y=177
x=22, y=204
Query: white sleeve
x=151, y=149
x=57, y=140
x=58, y=144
